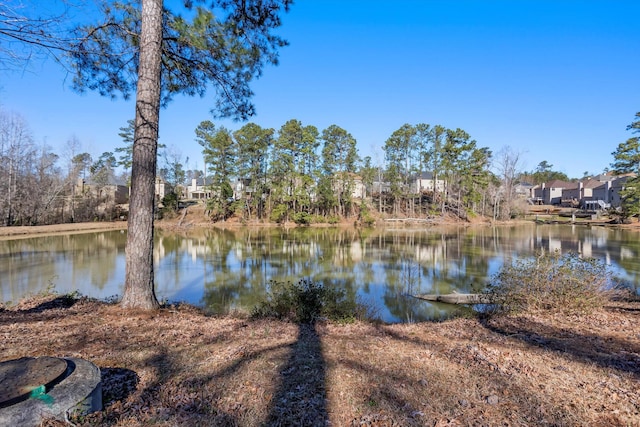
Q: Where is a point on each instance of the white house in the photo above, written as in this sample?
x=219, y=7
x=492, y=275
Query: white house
x=426, y=182
x=198, y=189
x=162, y=188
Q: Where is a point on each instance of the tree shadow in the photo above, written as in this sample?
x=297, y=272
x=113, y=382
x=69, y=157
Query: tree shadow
x=301, y=398
x=174, y=392
x=199, y=408
x=60, y=302
x=302, y=406
x=44, y=311
x=117, y=384
x=605, y=351
x=632, y=310
x=529, y=406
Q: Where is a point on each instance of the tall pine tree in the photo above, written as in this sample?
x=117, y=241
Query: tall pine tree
x=144, y=48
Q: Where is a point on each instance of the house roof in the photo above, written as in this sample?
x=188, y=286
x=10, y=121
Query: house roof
x=111, y=180
x=618, y=182
x=425, y=175
x=604, y=177
x=202, y=181
x=525, y=185
x=557, y=183
x=591, y=183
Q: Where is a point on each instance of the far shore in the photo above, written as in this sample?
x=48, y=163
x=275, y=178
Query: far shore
x=198, y=220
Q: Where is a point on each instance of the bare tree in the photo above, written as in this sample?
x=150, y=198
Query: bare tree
x=31, y=184
x=16, y=147
x=30, y=29
x=508, y=165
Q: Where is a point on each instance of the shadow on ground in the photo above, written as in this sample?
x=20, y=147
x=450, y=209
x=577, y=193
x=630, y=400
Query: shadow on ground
x=117, y=384
x=608, y=352
x=301, y=399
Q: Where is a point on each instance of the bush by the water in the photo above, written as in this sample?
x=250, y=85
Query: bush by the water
x=302, y=218
x=553, y=282
x=306, y=302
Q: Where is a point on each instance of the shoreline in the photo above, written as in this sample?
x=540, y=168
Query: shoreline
x=13, y=232
x=26, y=231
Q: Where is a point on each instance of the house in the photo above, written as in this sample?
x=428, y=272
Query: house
x=550, y=193
x=426, y=182
x=579, y=192
x=199, y=188
x=162, y=188
x=380, y=187
x=358, y=189
x=242, y=188
x=609, y=192
x=110, y=189
x=523, y=190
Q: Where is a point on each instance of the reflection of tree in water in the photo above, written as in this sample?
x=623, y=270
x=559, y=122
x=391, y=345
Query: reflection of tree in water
x=227, y=288
x=105, y=247
x=239, y=264
x=82, y=262
x=429, y=263
x=240, y=272
x=627, y=256
x=233, y=267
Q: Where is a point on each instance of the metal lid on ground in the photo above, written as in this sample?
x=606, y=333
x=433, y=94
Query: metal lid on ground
x=19, y=377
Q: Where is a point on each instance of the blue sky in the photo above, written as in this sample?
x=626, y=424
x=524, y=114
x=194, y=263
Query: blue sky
x=555, y=80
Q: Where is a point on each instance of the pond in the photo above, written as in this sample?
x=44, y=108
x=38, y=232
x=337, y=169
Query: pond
x=225, y=270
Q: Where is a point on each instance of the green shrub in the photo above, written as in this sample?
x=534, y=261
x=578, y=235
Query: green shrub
x=365, y=217
x=302, y=218
x=333, y=219
x=318, y=219
x=554, y=283
x=279, y=213
x=368, y=221
x=306, y=302
x=170, y=202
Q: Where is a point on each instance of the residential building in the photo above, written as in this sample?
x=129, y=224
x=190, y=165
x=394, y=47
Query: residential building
x=609, y=192
x=162, y=188
x=524, y=190
x=380, y=187
x=550, y=193
x=426, y=181
x=358, y=189
x=111, y=189
x=579, y=192
x=199, y=188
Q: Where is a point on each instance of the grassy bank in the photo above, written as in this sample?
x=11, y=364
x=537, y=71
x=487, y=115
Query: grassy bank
x=180, y=367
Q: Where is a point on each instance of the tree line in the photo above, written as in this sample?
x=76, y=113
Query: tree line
x=40, y=186
x=302, y=174
x=296, y=173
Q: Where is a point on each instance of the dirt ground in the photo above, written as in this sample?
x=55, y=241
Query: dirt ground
x=179, y=367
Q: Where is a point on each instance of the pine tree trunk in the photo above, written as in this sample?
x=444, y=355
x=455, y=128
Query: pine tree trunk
x=139, y=289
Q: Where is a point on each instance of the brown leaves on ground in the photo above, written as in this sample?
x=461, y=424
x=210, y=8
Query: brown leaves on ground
x=177, y=366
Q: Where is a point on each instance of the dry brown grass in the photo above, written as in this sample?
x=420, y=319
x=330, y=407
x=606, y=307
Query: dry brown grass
x=179, y=367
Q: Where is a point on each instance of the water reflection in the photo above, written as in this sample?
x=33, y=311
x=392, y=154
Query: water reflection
x=225, y=270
